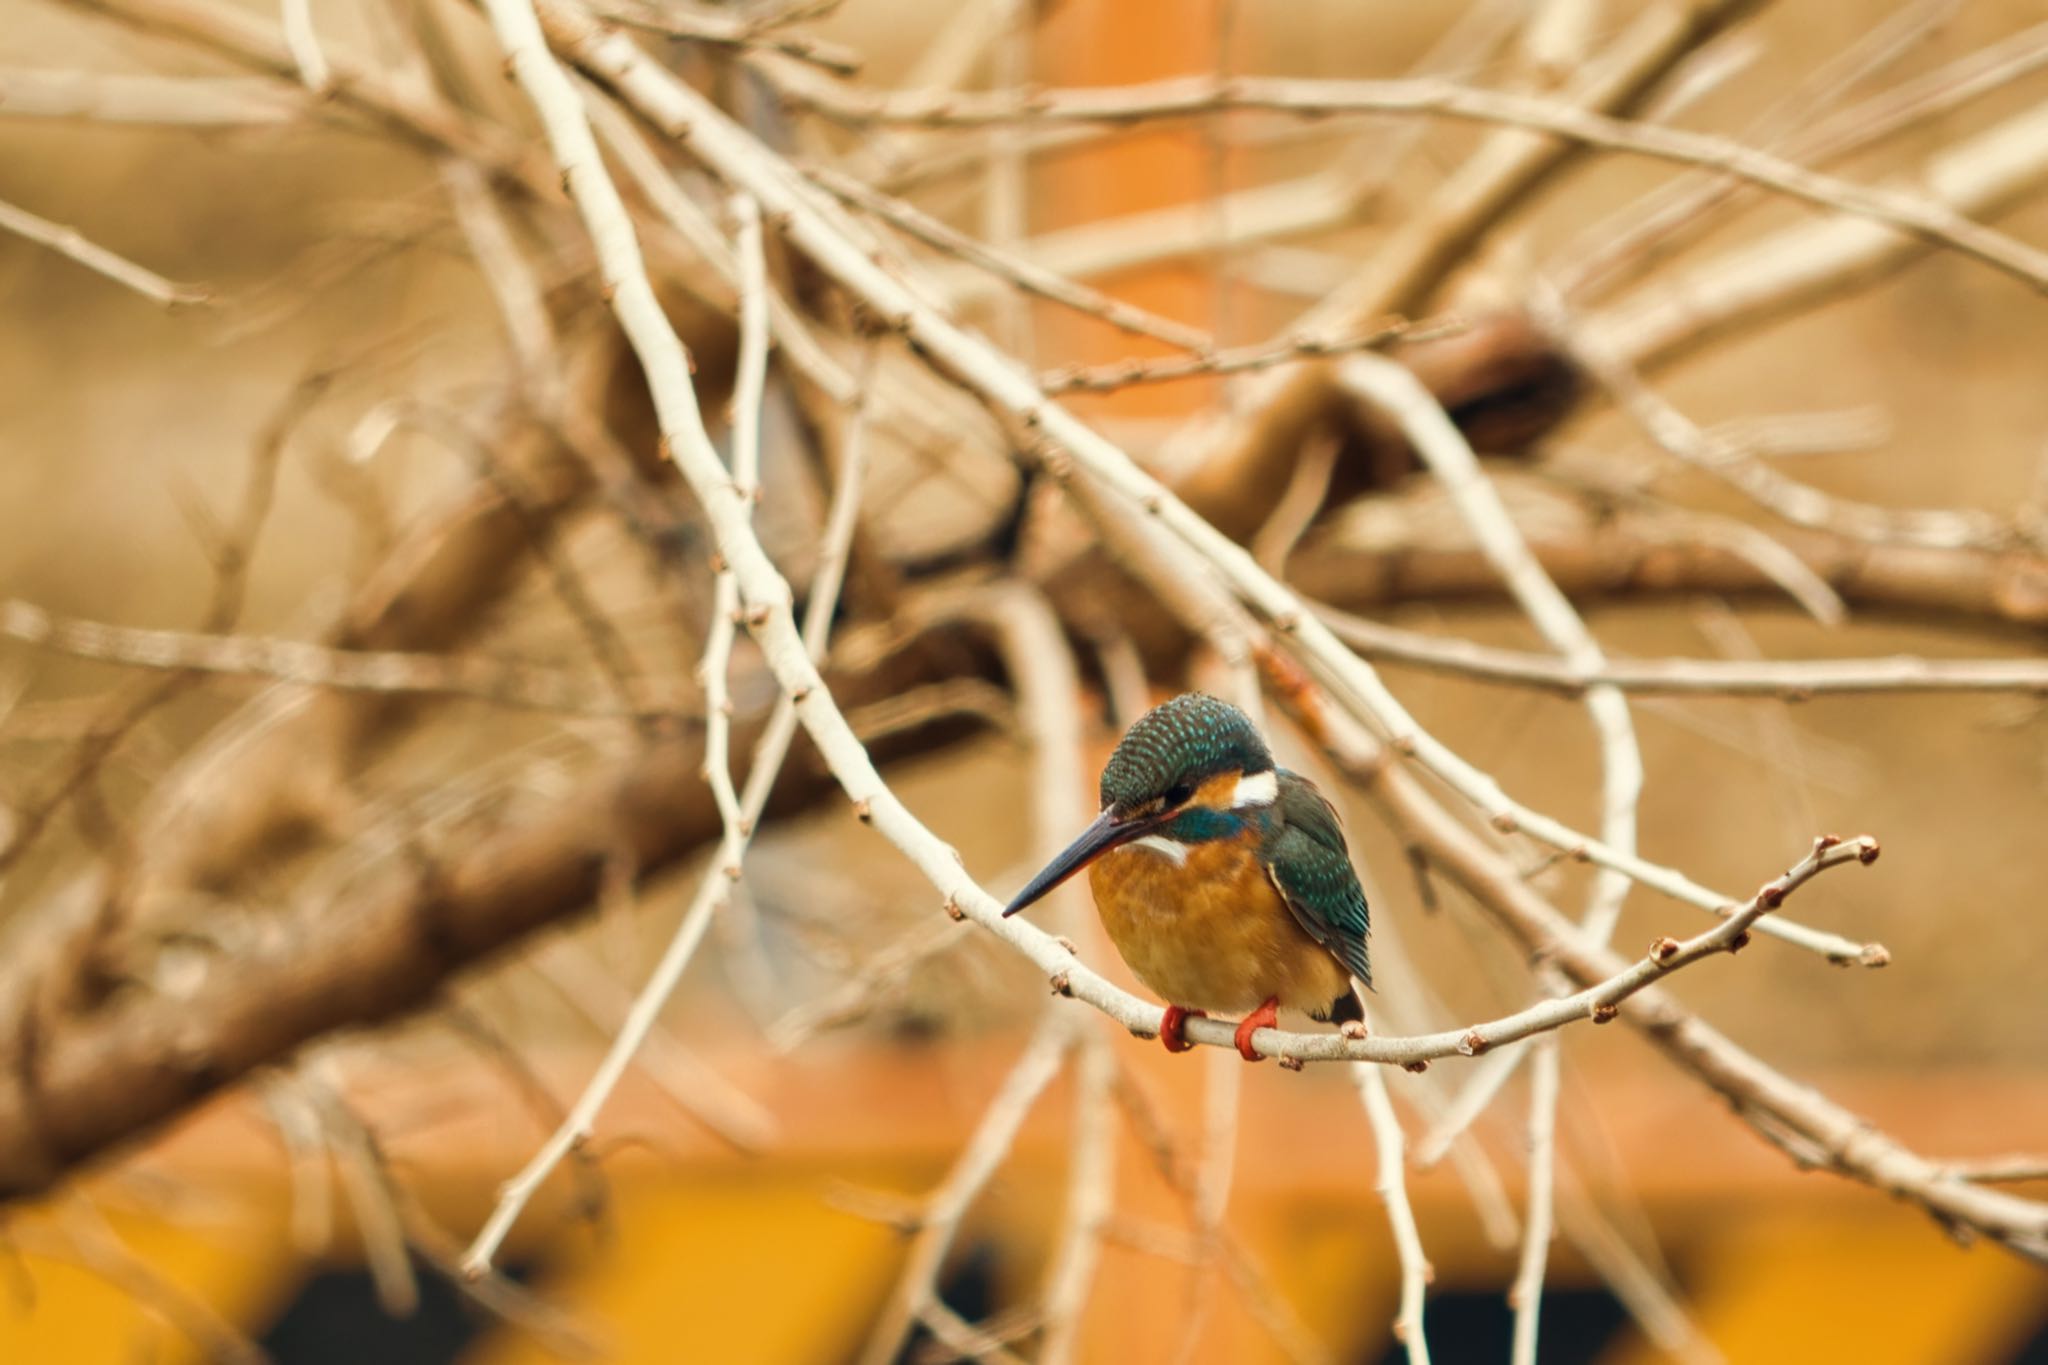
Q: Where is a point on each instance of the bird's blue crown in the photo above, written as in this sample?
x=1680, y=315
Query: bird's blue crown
x=1181, y=743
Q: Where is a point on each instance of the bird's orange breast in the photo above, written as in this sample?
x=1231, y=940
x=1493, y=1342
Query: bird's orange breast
x=1209, y=930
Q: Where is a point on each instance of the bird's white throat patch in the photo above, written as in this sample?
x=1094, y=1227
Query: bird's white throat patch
x=1163, y=846
x=1256, y=789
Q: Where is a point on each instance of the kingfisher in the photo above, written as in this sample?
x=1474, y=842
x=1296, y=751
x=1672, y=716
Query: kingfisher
x=1223, y=880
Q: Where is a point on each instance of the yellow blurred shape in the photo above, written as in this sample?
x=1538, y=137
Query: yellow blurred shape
x=737, y=1270
x=72, y=1295
x=1874, y=1290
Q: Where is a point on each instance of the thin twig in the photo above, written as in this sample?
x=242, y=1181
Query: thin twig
x=1807, y=1123
x=1999, y=1170
x=1793, y=678
x=70, y=242
x=748, y=387
x=1261, y=1297
x=694, y=1084
x=569, y=132
x=1727, y=460
x=1196, y=96
x=507, y=682
x=163, y=101
x=1444, y=450
x=304, y=41
x=1683, y=209
x=1645, y=1289
x=1416, y=1272
x=1797, y=266
x=1235, y=360
x=711, y=28
x=1526, y=1294
x=917, y=1284
x=1031, y=278
x=1482, y=1083
x=1091, y=1180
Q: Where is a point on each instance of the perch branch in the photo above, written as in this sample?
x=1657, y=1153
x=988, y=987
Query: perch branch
x=742, y=161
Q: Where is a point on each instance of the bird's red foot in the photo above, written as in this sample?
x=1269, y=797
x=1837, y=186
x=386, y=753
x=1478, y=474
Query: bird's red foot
x=1173, y=1029
x=1265, y=1016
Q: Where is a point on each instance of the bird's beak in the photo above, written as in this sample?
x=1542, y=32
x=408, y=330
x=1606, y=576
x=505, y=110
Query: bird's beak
x=1099, y=838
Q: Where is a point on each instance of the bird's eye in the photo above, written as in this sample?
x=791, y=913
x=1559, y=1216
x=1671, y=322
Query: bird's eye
x=1178, y=794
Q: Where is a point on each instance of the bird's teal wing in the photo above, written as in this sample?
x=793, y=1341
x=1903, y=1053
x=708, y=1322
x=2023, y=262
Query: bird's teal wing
x=1311, y=866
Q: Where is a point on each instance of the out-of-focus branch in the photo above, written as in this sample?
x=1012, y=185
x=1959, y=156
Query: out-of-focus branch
x=1090, y=1201
x=1525, y=1296
x=739, y=814
x=71, y=1083
x=711, y=28
x=414, y=113
x=1416, y=1272
x=1768, y=1100
x=1377, y=556
x=1796, y=678
x=1996, y=1170
x=1429, y=242
x=1684, y=209
x=1254, y=1284
x=1785, y=497
x=1235, y=360
x=1796, y=267
x=917, y=1285
x=1237, y=219
x=265, y=776
x=86, y=1240
x=507, y=682
x=165, y=101
x=696, y=1087
x=1032, y=279
x=303, y=39
x=1454, y=465
x=75, y=245
x=74, y=1084
x=1191, y=97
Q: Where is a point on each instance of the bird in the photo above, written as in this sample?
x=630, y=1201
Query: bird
x=1223, y=880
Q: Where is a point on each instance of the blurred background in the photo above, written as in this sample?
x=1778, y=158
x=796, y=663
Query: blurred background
x=313, y=421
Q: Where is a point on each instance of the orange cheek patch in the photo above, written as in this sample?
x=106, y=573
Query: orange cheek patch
x=1217, y=792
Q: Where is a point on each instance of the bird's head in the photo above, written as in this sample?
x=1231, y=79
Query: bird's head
x=1192, y=754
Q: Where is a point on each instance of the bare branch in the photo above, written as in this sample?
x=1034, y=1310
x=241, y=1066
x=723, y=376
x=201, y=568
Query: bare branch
x=1188, y=97
x=170, y=101
x=506, y=682
x=304, y=41
x=1526, y=1295
x=1803, y=264
x=1032, y=279
x=1794, y=678
x=917, y=1285
x=1090, y=1201
x=70, y=242
x=1831, y=1135
x=1416, y=1272
x=711, y=28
